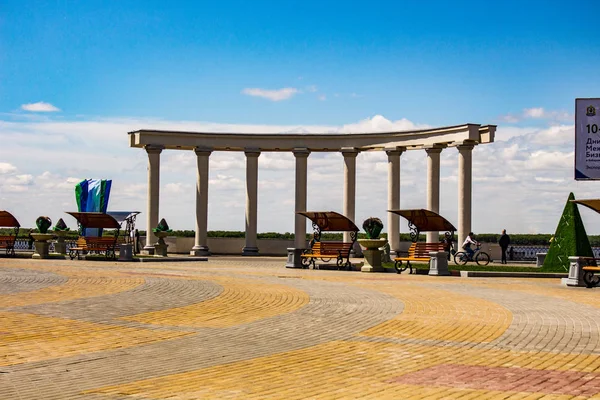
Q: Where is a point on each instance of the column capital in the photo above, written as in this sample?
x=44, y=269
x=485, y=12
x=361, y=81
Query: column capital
x=203, y=151
x=348, y=152
x=301, y=152
x=395, y=151
x=154, y=148
x=252, y=152
x=466, y=146
x=434, y=148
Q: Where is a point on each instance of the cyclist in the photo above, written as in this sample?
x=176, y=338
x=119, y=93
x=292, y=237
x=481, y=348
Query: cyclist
x=467, y=245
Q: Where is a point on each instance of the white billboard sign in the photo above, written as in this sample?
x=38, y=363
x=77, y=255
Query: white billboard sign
x=587, y=139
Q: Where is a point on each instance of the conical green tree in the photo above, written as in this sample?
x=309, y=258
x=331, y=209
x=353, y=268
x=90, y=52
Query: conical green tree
x=569, y=240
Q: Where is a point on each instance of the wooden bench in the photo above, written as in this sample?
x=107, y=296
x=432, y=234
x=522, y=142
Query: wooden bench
x=418, y=251
x=589, y=272
x=8, y=242
x=324, y=250
x=100, y=245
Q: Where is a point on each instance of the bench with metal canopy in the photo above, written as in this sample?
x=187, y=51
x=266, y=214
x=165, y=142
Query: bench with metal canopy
x=421, y=220
x=329, y=221
x=105, y=245
x=7, y=242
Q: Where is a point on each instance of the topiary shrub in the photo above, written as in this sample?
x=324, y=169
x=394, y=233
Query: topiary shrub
x=569, y=240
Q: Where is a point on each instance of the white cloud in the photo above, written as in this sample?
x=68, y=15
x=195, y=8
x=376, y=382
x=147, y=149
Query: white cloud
x=273, y=95
x=379, y=123
x=6, y=168
x=537, y=113
x=40, y=106
x=322, y=97
x=533, y=112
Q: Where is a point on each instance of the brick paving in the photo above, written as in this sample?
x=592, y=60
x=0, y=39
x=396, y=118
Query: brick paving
x=248, y=328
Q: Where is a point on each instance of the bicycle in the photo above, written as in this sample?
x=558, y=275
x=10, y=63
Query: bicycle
x=480, y=257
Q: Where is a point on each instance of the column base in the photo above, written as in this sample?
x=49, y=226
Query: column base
x=200, y=251
x=148, y=251
x=294, y=260
x=250, y=251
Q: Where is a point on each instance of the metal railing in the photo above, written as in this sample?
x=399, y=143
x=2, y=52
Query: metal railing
x=26, y=245
x=528, y=253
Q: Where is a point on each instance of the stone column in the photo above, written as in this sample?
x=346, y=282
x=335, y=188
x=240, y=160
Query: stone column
x=153, y=195
x=349, y=186
x=465, y=161
x=433, y=185
x=393, y=220
x=301, y=196
x=251, y=249
x=200, y=242
x=294, y=260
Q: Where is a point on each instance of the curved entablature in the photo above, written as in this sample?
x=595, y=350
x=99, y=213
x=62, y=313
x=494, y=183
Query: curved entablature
x=409, y=140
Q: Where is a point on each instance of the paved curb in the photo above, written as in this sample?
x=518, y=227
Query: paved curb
x=169, y=259
x=494, y=274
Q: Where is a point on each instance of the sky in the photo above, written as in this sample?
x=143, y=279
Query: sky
x=76, y=76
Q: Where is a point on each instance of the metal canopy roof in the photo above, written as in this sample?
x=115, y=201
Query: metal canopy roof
x=8, y=220
x=594, y=204
x=425, y=220
x=122, y=216
x=95, y=220
x=330, y=221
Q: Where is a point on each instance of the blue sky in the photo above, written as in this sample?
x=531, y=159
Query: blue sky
x=75, y=76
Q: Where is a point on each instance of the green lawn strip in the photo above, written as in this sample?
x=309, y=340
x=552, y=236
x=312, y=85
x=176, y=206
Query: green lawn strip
x=475, y=267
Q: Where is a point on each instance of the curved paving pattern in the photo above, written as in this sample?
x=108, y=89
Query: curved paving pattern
x=247, y=328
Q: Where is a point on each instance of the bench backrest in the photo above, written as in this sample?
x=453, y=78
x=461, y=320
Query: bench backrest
x=421, y=249
x=8, y=240
x=332, y=248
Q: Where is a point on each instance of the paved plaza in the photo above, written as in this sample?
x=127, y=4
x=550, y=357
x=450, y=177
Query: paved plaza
x=248, y=328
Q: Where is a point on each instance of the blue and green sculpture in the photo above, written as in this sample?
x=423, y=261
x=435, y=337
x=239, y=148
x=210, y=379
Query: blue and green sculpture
x=92, y=196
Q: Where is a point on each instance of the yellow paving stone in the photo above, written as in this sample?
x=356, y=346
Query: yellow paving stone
x=80, y=284
x=550, y=289
x=241, y=301
x=28, y=337
x=350, y=369
x=442, y=315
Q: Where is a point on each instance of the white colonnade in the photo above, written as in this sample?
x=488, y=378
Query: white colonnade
x=463, y=137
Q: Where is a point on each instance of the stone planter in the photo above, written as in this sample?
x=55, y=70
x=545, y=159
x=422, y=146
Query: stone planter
x=372, y=254
x=60, y=247
x=41, y=245
x=160, y=248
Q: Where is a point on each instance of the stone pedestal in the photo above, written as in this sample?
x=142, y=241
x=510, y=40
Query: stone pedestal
x=41, y=245
x=294, y=260
x=60, y=246
x=372, y=254
x=539, y=259
x=126, y=252
x=160, y=248
x=575, y=272
x=438, y=265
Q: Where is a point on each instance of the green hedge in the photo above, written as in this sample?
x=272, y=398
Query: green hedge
x=515, y=239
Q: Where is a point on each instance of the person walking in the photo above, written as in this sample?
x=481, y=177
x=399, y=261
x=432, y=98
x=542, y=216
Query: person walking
x=504, y=242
